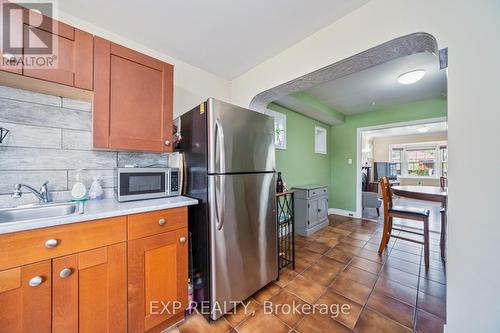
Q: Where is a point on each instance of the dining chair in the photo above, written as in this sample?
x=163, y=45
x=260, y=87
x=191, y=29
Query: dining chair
x=402, y=212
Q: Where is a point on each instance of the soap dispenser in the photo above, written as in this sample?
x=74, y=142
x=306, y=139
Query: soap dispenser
x=79, y=191
x=96, y=191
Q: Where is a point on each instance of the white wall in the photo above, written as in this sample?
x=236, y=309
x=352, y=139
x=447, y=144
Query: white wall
x=192, y=85
x=470, y=30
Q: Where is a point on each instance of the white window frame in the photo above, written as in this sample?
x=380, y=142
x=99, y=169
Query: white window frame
x=320, y=140
x=436, y=145
x=279, y=119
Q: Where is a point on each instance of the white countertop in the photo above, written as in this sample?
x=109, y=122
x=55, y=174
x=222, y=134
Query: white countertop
x=99, y=209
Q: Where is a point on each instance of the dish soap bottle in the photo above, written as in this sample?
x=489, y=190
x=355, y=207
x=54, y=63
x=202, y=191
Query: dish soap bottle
x=96, y=191
x=79, y=191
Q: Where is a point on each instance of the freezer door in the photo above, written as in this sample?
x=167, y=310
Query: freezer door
x=243, y=245
x=239, y=140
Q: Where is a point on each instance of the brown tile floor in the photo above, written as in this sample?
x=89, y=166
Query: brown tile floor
x=340, y=265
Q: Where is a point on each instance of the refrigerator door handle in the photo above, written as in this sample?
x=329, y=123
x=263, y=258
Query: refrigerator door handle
x=220, y=201
x=219, y=131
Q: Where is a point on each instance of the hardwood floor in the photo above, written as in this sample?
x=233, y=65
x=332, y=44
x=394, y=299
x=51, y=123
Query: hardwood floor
x=339, y=265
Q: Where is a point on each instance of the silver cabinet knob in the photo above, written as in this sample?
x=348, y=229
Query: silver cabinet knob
x=167, y=142
x=36, y=281
x=182, y=240
x=162, y=221
x=51, y=243
x=65, y=272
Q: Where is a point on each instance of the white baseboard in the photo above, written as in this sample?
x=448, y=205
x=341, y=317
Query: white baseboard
x=444, y=328
x=343, y=212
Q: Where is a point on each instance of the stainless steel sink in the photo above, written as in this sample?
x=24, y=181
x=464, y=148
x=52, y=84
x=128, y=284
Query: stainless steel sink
x=40, y=211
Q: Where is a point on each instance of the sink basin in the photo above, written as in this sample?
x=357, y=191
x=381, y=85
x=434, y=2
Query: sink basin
x=40, y=211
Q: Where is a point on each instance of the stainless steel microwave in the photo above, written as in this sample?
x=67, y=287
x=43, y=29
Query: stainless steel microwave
x=146, y=183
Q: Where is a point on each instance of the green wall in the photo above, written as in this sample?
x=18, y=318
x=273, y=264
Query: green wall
x=342, y=144
x=299, y=163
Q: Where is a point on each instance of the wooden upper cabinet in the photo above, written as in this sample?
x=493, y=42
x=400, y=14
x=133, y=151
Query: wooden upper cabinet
x=157, y=280
x=70, y=61
x=25, y=298
x=133, y=100
x=89, y=292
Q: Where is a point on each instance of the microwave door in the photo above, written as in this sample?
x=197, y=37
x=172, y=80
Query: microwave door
x=138, y=184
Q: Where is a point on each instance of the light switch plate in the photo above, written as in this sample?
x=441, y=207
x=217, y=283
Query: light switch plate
x=349, y=161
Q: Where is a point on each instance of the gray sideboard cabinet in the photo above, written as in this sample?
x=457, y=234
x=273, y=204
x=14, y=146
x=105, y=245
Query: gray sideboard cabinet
x=311, y=208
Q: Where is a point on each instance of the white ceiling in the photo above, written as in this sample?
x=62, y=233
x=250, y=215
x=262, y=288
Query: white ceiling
x=377, y=86
x=441, y=127
x=224, y=37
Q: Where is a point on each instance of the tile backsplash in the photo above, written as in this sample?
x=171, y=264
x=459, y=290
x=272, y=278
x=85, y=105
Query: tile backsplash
x=50, y=138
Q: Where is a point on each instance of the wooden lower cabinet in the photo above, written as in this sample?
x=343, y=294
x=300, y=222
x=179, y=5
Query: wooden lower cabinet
x=157, y=280
x=25, y=299
x=96, y=279
x=89, y=291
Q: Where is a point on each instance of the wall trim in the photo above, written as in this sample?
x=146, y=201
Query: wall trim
x=343, y=212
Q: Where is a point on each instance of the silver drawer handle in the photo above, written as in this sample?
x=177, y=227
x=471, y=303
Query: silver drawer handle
x=36, y=281
x=182, y=240
x=162, y=221
x=65, y=273
x=51, y=243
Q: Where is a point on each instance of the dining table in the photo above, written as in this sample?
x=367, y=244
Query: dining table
x=427, y=193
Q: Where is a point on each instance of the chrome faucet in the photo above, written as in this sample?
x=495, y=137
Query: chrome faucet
x=42, y=194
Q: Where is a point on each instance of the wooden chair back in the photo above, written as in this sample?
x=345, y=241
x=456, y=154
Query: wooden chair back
x=443, y=181
x=385, y=187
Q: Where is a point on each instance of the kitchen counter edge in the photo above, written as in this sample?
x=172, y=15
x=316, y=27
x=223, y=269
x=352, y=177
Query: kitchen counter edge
x=100, y=209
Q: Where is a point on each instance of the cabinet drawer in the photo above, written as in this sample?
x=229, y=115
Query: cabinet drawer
x=317, y=192
x=152, y=223
x=25, y=247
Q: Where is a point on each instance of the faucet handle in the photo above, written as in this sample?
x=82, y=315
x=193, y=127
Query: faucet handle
x=17, y=191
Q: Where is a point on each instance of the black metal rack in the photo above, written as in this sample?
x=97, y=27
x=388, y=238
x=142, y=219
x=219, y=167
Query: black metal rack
x=286, y=229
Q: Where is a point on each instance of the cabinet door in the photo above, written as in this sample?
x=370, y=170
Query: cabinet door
x=157, y=280
x=25, y=298
x=322, y=209
x=133, y=100
x=313, y=212
x=73, y=51
x=89, y=291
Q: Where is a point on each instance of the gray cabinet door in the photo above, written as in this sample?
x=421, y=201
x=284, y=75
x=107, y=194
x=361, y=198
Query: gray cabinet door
x=322, y=209
x=313, y=212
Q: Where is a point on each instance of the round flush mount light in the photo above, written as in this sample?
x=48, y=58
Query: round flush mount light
x=411, y=77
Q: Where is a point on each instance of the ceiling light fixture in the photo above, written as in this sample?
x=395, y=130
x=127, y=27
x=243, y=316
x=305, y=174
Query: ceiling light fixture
x=423, y=129
x=411, y=77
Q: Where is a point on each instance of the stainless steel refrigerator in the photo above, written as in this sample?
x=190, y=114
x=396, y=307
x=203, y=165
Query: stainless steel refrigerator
x=229, y=166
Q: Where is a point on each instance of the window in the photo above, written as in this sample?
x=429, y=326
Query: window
x=279, y=129
x=429, y=159
x=443, y=153
x=320, y=140
x=421, y=162
x=397, y=158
